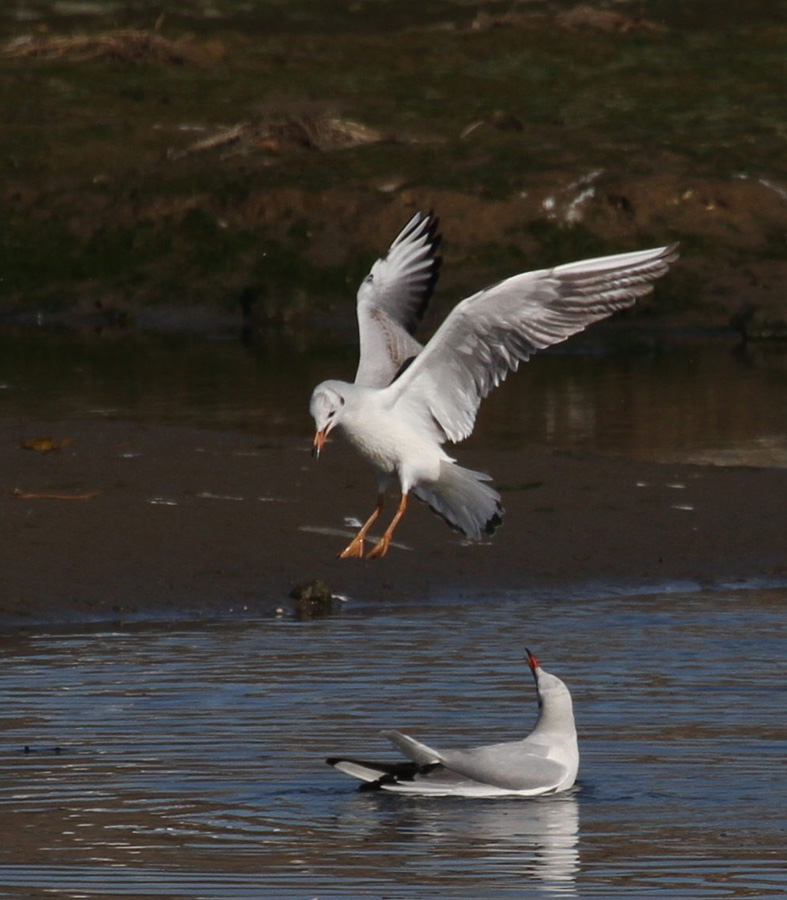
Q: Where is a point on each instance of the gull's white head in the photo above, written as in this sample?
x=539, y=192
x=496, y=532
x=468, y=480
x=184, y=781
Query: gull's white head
x=326, y=406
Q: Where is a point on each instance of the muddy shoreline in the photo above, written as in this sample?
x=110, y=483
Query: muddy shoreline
x=134, y=522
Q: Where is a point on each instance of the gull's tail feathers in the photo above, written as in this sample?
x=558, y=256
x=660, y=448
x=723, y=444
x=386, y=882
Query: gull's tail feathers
x=463, y=499
x=372, y=772
x=409, y=777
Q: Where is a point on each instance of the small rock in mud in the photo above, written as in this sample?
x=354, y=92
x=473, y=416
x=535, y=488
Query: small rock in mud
x=313, y=600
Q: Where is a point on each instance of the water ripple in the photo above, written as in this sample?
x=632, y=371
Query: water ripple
x=188, y=761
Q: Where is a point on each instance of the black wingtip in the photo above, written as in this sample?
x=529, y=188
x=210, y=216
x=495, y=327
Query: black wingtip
x=434, y=240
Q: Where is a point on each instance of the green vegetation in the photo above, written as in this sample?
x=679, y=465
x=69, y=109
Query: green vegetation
x=107, y=197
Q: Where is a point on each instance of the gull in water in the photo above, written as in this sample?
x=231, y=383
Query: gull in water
x=408, y=399
x=545, y=762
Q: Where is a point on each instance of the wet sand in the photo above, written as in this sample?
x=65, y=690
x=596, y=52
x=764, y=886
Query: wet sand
x=135, y=522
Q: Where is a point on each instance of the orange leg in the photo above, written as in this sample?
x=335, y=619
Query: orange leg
x=354, y=550
x=381, y=547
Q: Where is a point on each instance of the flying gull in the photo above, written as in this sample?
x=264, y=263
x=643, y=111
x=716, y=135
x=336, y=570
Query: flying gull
x=408, y=400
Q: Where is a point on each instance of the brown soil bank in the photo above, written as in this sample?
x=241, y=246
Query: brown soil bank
x=133, y=522
x=262, y=161
x=305, y=282
x=722, y=279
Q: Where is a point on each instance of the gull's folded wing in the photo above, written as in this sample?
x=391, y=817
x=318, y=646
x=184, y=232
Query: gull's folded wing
x=413, y=749
x=506, y=766
x=512, y=766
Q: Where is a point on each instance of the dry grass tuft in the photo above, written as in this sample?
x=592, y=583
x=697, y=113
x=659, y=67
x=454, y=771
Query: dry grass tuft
x=578, y=18
x=114, y=46
x=292, y=133
x=588, y=18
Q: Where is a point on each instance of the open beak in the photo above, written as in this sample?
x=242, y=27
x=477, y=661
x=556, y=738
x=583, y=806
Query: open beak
x=531, y=661
x=319, y=440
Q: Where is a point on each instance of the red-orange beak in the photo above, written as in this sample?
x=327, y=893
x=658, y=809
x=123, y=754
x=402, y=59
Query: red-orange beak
x=319, y=441
x=531, y=661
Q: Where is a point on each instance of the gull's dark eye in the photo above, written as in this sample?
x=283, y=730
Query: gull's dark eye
x=332, y=413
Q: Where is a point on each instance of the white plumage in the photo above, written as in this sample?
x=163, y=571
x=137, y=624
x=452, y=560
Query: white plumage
x=409, y=399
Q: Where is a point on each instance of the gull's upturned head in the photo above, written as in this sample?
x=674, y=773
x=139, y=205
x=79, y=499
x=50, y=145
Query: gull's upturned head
x=326, y=409
x=548, y=687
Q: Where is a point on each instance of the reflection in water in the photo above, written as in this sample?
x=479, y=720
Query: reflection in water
x=534, y=839
x=700, y=402
x=690, y=403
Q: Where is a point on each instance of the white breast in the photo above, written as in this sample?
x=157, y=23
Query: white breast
x=390, y=445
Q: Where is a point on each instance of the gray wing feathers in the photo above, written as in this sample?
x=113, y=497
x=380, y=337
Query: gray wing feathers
x=392, y=300
x=511, y=766
x=385, y=347
x=362, y=771
x=506, y=766
x=412, y=749
x=487, y=335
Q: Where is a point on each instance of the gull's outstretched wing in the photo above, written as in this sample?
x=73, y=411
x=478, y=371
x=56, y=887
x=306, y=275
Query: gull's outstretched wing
x=392, y=300
x=487, y=335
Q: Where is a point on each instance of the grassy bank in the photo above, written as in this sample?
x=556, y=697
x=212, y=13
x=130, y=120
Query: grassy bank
x=265, y=156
